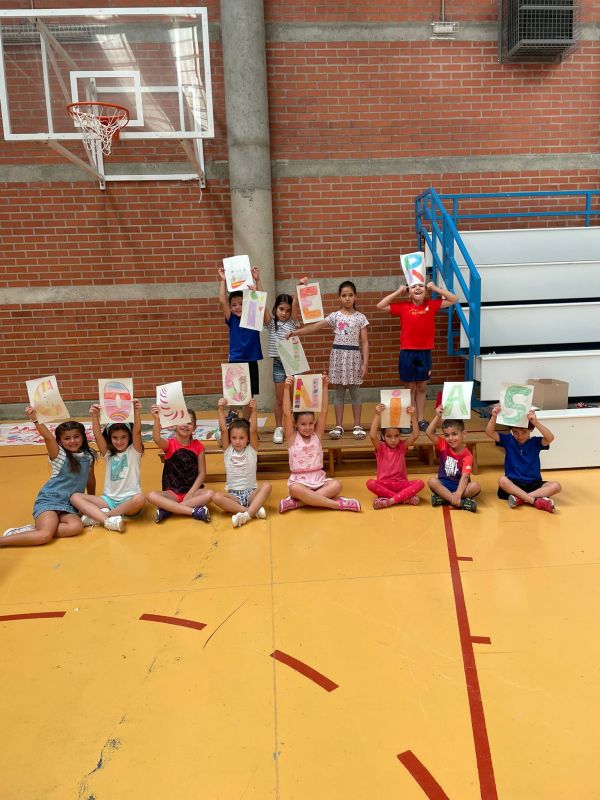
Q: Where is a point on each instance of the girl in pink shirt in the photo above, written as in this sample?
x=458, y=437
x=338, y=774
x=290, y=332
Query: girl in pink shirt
x=308, y=483
x=392, y=485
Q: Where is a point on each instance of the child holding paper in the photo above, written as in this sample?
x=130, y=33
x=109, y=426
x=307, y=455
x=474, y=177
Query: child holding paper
x=522, y=482
x=72, y=465
x=308, y=484
x=183, y=475
x=244, y=344
x=417, y=334
x=243, y=496
x=349, y=359
x=120, y=445
x=453, y=484
x=279, y=323
x=392, y=486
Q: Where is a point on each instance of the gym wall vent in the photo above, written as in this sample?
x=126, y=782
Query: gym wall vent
x=546, y=30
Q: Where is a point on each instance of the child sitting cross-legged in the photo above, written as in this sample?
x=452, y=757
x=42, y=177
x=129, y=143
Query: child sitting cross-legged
x=522, y=482
x=392, y=486
x=453, y=485
x=243, y=495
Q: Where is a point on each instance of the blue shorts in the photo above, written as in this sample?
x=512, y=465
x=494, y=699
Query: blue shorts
x=111, y=503
x=279, y=375
x=451, y=483
x=414, y=365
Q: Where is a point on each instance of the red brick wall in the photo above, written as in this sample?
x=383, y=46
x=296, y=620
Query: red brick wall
x=357, y=100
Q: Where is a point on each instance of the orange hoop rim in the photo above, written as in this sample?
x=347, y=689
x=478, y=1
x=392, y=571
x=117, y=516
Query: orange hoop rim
x=87, y=106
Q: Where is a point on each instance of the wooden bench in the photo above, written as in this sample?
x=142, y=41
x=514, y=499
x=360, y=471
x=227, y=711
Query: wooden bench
x=342, y=451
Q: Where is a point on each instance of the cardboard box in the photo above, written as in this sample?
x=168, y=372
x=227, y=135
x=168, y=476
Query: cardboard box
x=549, y=393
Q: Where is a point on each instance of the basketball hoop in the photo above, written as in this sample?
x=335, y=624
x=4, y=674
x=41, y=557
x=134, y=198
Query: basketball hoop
x=100, y=123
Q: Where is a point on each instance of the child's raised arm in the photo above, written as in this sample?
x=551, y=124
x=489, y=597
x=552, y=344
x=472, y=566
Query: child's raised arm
x=449, y=298
x=223, y=299
x=157, y=438
x=97, y=430
x=322, y=421
x=313, y=327
x=221, y=406
x=136, y=428
x=254, y=440
x=296, y=315
x=431, y=428
x=414, y=427
x=49, y=438
x=387, y=301
x=547, y=436
x=288, y=420
x=376, y=424
x=490, y=428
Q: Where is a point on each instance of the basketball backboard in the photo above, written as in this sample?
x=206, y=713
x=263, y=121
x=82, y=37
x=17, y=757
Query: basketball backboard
x=153, y=61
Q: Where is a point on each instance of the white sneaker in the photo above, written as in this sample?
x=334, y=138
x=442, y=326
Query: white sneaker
x=239, y=519
x=88, y=522
x=20, y=529
x=278, y=436
x=261, y=513
x=115, y=524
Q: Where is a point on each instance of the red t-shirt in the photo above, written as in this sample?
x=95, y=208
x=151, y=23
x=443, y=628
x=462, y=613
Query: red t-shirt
x=391, y=462
x=453, y=465
x=181, y=465
x=418, y=324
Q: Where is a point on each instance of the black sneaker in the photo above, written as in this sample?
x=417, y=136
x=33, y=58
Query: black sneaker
x=468, y=505
x=423, y=425
x=232, y=415
x=202, y=513
x=436, y=500
x=161, y=514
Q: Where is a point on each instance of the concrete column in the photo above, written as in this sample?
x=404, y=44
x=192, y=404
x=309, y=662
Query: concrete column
x=246, y=103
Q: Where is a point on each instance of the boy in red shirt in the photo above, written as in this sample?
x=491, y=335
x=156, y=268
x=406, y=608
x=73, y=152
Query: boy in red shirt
x=453, y=484
x=417, y=333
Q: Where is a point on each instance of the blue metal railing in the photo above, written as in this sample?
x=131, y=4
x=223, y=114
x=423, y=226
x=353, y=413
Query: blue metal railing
x=586, y=212
x=437, y=229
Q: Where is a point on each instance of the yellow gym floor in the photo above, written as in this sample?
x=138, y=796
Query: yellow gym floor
x=412, y=653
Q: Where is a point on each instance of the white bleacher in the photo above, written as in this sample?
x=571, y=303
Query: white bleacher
x=522, y=267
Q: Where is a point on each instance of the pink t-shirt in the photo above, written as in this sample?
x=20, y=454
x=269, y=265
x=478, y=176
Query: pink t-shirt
x=306, y=461
x=391, y=462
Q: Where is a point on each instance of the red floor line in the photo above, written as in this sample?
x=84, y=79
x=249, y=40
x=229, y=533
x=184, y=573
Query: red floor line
x=185, y=623
x=481, y=640
x=485, y=767
x=465, y=558
x=304, y=669
x=35, y=615
x=422, y=776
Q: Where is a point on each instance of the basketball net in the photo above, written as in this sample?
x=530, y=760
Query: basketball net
x=100, y=123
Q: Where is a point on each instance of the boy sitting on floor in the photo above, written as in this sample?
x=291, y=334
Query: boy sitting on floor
x=522, y=482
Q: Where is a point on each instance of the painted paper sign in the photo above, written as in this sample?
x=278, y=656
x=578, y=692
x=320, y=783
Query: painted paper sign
x=309, y=298
x=116, y=400
x=171, y=404
x=236, y=384
x=292, y=356
x=413, y=266
x=308, y=393
x=456, y=399
x=396, y=401
x=45, y=398
x=515, y=403
x=253, y=310
x=238, y=274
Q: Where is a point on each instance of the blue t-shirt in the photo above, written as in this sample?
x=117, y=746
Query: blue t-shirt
x=522, y=461
x=244, y=344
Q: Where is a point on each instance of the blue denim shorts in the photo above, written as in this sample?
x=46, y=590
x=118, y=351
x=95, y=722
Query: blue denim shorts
x=279, y=375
